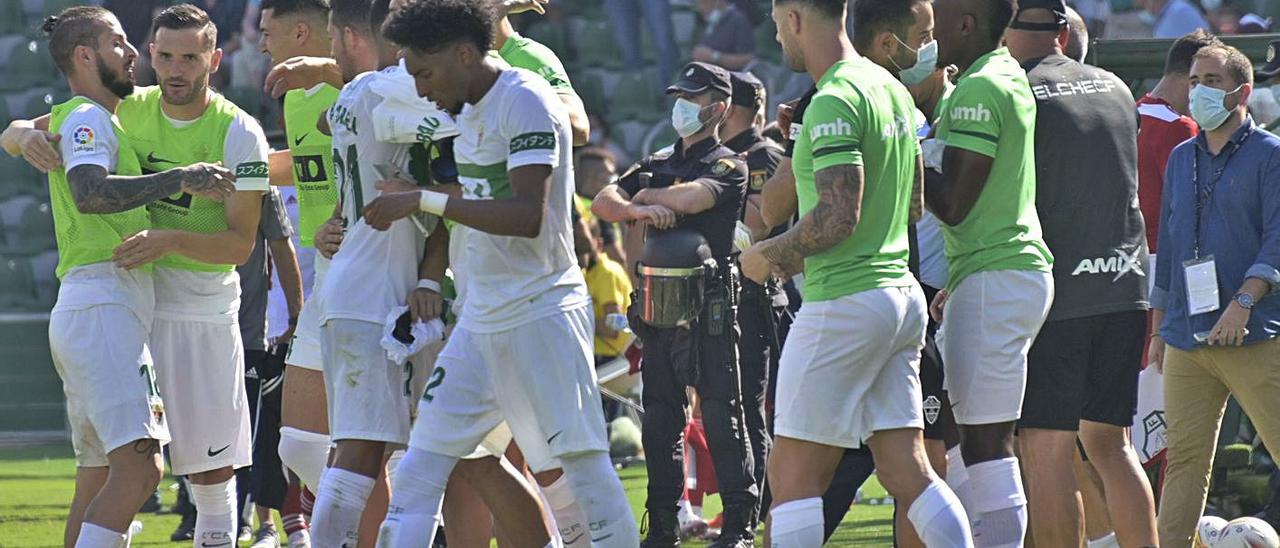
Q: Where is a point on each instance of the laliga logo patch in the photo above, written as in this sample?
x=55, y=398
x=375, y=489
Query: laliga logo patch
x=82, y=139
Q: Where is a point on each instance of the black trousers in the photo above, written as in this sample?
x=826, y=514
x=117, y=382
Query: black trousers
x=758, y=354
x=264, y=483
x=665, y=401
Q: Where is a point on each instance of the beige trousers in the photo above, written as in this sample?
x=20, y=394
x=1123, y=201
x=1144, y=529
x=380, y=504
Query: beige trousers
x=1196, y=387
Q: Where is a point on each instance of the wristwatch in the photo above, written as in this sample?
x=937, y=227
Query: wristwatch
x=1245, y=300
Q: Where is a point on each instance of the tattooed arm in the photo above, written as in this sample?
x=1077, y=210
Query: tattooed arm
x=830, y=221
x=97, y=192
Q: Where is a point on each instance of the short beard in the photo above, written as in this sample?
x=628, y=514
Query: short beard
x=194, y=91
x=119, y=86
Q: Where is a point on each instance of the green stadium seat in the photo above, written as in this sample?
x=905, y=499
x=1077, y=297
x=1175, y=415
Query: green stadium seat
x=35, y=228
x=590, y=87
x=630, y=134
x=660, y=136
x=17, y=284
x=685, y=27
x=33, y=103
x=596, y=46
x=552, y=35
x=636, y=98
x=767, y=46
x=25, y=64
x=12, y=18
x=44, y=267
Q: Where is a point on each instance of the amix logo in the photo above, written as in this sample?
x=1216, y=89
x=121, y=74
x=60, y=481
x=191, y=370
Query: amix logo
x=833, y=128
x=1120, y=264
x=976, y=113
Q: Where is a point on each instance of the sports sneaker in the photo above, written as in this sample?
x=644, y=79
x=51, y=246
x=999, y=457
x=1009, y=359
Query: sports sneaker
x=693, y=528
x=246, y=533
x=186, y=529
x=266, y=537
x=300, y=539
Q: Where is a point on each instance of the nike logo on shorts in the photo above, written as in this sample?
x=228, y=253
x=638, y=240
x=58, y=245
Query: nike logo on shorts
x=213, y=453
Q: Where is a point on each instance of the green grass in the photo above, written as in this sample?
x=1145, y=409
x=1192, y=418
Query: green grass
x=36, y=484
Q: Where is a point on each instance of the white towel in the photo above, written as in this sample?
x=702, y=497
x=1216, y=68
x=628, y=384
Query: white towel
x=424, y=333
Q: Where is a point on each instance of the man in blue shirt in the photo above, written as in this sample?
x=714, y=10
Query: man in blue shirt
x=1219, y=262
x=1174, y=18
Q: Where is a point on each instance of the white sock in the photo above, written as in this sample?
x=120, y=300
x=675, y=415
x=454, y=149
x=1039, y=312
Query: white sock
x=305, y=453
x=957, y=474
x=797, y=524
x=599, y=493
x=939, y=517
x=998, y=511
x=215, y=513
x=393, y=462
x=95, y=536
x=135, y=529
x=570, y=520
x=416, y=498
x=1108, y=541
x=339, y=503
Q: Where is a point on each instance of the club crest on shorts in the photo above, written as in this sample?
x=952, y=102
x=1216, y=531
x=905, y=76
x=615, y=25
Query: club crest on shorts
x=932, y=406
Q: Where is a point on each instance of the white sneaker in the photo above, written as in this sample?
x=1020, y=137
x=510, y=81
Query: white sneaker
x=135, y=529
x=266, y=537
x=300, y=539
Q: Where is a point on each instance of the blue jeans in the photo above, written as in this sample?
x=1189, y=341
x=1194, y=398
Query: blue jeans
x=625, y=16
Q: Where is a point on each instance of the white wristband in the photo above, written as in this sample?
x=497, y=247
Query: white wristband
x=433, y=202
x=429, y=284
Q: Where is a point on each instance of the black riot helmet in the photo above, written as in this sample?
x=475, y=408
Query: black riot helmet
x=676, y=248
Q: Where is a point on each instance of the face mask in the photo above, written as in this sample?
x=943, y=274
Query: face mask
x=1147, y=17
x=926, y=62
x=1208, y=106
x=684, y=117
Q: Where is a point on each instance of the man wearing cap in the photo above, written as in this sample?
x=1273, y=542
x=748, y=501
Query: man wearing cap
x=1082, y=369
x=759, y=306
x=697, y=186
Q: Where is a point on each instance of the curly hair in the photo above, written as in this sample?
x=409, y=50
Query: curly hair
x=428, y=25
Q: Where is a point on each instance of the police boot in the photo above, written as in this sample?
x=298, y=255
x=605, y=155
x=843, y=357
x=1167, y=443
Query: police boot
x=737, y=531
x=664, y=530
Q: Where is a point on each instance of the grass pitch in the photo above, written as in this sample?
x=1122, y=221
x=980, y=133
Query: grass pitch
x=36, y=484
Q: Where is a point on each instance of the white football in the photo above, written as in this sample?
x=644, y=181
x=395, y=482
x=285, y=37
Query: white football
x=1208, y=531
x=1248, y=533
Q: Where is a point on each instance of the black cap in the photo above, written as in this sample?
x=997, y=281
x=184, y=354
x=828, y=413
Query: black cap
x=1057, y=7
x=697, y=78
x=1272, y=68
x=748, y=91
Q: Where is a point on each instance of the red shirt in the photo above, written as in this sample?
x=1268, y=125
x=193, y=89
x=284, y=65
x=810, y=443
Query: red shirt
x=1160, y=128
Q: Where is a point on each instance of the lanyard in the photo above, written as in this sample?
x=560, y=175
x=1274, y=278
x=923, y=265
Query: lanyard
x=1204, y=196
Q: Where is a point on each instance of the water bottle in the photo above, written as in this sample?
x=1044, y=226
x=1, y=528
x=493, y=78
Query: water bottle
x=617, y=322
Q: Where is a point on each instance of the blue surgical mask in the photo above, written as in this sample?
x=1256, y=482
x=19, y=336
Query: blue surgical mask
x=684, y=117
x=926, y=63
x=1208, y=106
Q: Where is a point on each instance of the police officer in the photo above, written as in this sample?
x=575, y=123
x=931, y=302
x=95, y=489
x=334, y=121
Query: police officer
x=689, y=199
x=759, y=307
